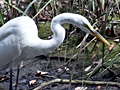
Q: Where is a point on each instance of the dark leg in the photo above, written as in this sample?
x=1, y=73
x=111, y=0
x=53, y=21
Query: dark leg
x=10, y=87
x=17, y=80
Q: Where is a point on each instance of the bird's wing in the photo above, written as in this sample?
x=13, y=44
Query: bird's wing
x=13, y=38
x=5, y=32
x=9, y=49
x=9, y=43
x=20, y=23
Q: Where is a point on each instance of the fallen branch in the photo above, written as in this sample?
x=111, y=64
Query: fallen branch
x=77, y=81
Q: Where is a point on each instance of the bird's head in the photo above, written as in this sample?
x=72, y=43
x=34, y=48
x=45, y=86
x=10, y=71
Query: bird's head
x=95, y=33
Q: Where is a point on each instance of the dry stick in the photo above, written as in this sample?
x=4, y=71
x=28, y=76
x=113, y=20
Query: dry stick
x=77, y=56
x=81, y=50
x=86, y=44
x=48, y=58
x=77, y=81
x=117, y=7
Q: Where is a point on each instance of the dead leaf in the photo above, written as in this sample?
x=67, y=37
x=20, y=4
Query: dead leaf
x=67, y=69
x=21, y=66
x=32, y=82
x=97, y=62
x=3, y=78
x=116, y=40
x=94, y=55
x=60, y=70
x=60, y=66
x=98, y=87
x=88, y=68
x=111, y=46
x=40, y=15
x=40, y=73
x=81, y=88
x=58, y=49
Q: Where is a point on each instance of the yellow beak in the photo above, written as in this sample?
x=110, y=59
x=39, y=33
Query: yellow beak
x=95, y=33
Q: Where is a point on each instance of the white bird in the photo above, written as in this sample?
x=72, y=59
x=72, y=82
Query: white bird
x=19, y=37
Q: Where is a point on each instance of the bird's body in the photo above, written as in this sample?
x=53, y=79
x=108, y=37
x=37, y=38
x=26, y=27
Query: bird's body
x=19, y=41
x=19, y=37
x=15, y=41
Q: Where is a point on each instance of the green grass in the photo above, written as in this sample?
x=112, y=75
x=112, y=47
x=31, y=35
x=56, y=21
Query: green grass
x=44, y=30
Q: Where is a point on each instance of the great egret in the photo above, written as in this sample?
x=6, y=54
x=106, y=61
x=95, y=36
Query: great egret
x=19, y=37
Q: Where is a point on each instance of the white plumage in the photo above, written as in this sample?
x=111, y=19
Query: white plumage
x=19, y=37
x=16, y=36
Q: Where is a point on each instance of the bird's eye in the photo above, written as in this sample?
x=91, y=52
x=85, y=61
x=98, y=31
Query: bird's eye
x=88, y=27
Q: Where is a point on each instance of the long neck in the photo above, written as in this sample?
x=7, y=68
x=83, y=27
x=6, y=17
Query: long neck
x=58, y=37
x=59, y=31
